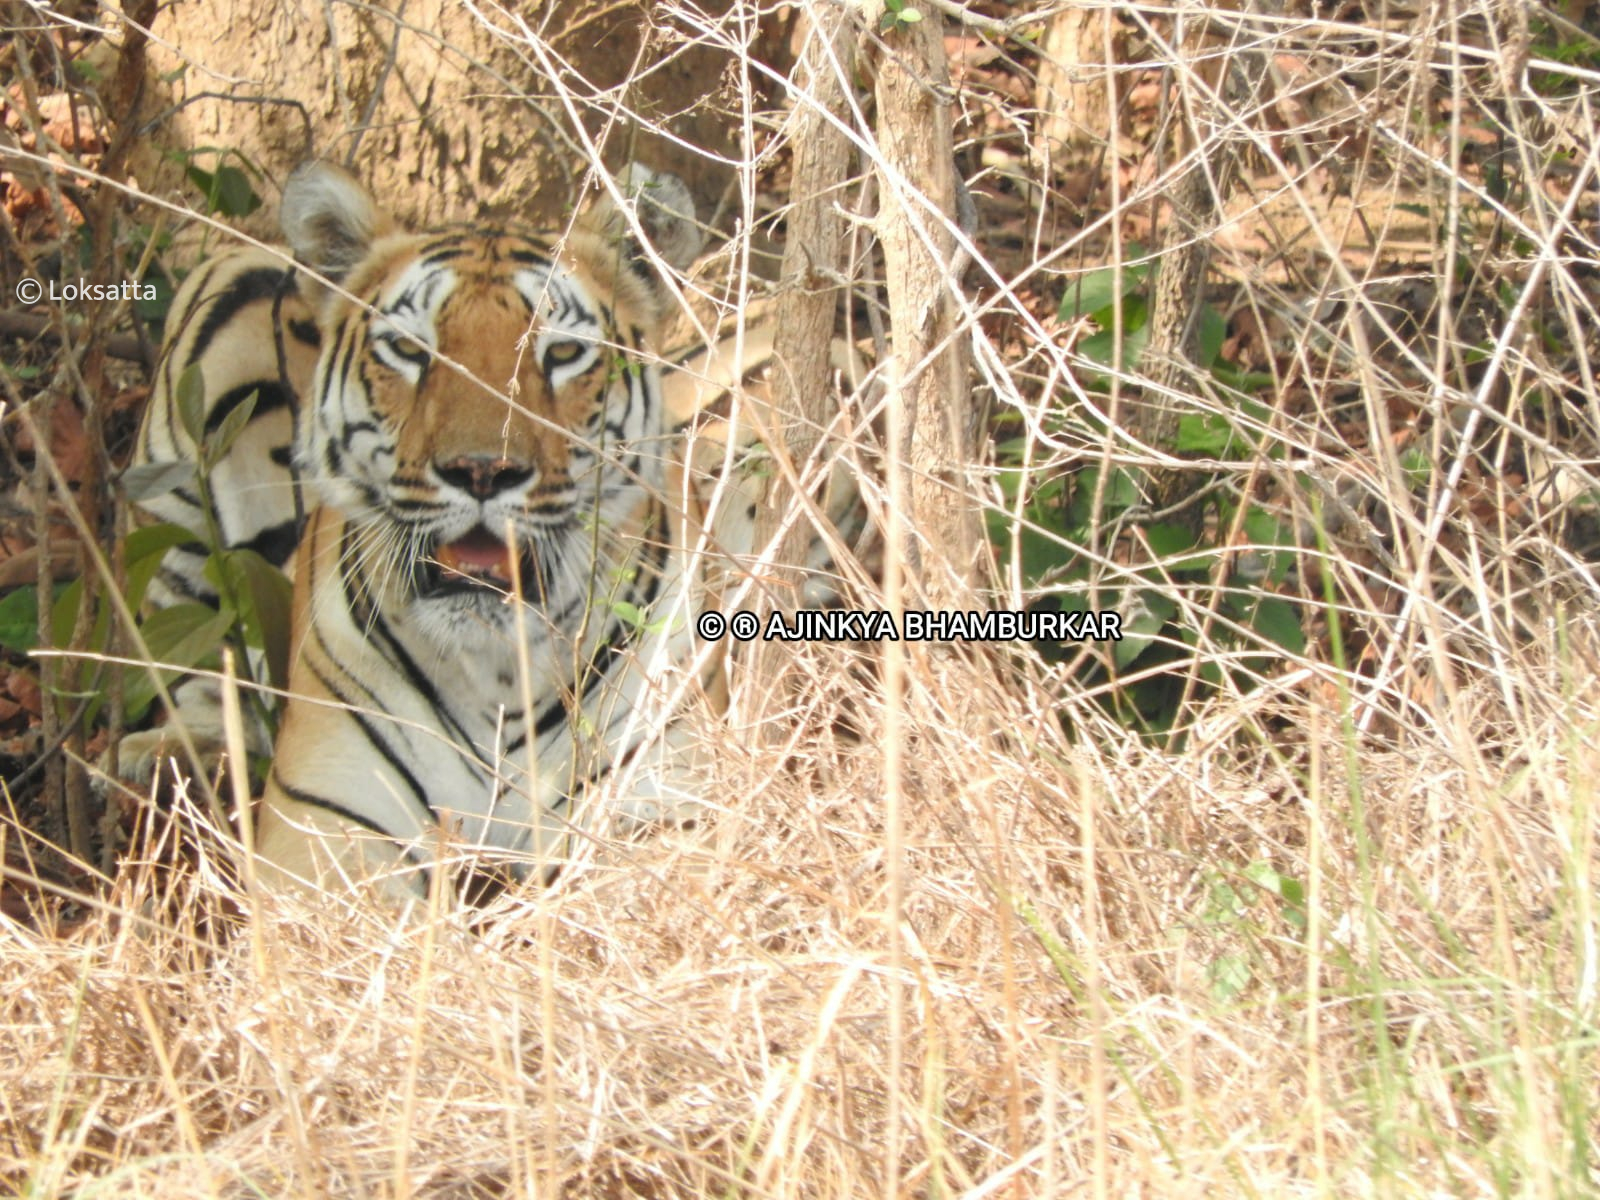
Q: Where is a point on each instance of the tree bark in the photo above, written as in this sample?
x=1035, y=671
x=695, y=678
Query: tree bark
x=811, y=281
x=918, y=215
x=1073, y=96
x=805, y=311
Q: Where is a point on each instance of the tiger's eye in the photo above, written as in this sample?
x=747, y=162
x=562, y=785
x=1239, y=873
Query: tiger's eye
x=559, y=354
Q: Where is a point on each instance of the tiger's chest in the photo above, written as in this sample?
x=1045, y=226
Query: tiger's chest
x=499, y=709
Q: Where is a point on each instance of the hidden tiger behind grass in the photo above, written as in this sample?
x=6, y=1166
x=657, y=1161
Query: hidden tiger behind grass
x=455, y=417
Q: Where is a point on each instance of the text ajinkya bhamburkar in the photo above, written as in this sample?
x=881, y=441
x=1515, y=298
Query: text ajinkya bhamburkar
x=914, y=625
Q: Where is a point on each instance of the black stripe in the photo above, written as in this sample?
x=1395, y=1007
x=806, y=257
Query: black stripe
x=372, y=619
x=375, y=738
x=439, y=255
x=261, y=283
x=305, y=797
x=361, y=611
x=275, y=543
x=420, y=683
x=304, y=331
x=196, y=549
x=339, y=810
x=270, y=397
x=175, y=581
x=341, y=369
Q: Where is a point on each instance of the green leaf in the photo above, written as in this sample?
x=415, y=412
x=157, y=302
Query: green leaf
x=1265, y=528
x=146, y=481
x=191, y=402
x=154, y=308
x=1101, y=347
x=1041, y=555
x=219, y=443
x=153, y=541
x=180, y=637
x=1121, y=493
x=64, y=613
x=1144, y=615
x=227, y=190
x=1223, y=904
x=1418, y=466
x=1208, y=434
x=143, y=553
x=1290, y=891
x=19, y=620
x=1278, y=621
x=1228, y=976
x=1097, y=294
x=1167, y=539
x=265, y=599
x=1230, y=376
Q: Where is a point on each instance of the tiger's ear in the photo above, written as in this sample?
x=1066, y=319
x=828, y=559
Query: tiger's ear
x=329, y=218
x=665, y=212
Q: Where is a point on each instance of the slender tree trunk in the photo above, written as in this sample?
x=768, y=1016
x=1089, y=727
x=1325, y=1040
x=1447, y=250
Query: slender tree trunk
x=1073, y=98
x=918, y=214
x=1196, y=198
x=809, y=303
x=806, y=310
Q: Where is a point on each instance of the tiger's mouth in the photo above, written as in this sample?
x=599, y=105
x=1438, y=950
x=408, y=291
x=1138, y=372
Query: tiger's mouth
x=476, y=560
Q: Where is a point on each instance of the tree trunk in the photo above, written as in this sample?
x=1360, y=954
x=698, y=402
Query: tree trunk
x=453, y=112
x=805, y=312
x=927, y=376
x=1196, y=195
x=809, y=302
x=1073, y=96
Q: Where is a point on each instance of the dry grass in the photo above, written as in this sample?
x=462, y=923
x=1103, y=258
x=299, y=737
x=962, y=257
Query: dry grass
x=1340, y=939
x=1093, y=991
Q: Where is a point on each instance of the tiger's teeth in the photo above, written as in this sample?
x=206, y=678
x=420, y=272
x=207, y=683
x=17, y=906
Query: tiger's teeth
x=478, y=555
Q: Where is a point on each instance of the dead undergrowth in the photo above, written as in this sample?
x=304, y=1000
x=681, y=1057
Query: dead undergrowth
x=1298, y=899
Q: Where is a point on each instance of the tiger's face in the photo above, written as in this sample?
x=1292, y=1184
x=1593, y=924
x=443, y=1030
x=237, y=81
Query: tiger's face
x=485, y=413
x=485, y=419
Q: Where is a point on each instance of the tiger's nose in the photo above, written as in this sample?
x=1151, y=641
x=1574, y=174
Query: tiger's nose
x=484, y=478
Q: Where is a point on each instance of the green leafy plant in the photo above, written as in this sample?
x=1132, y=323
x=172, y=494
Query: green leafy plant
x=227, y=188
x=253, y=605
x=1254, y=904
x=897, y=15
x=1186, y=587
x=253, y=597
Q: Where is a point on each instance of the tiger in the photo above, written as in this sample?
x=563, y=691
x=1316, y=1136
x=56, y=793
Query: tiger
x=460, y=445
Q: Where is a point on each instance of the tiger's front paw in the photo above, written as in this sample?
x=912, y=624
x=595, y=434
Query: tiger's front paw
x=140, y=755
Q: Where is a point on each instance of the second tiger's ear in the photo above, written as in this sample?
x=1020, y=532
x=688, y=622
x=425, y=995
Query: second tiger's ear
x=329, y=218
x=665, y=212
